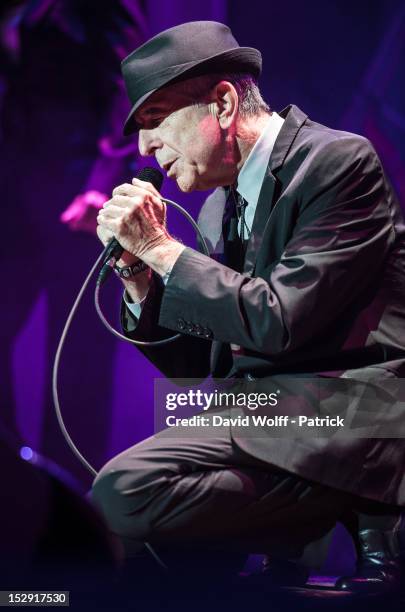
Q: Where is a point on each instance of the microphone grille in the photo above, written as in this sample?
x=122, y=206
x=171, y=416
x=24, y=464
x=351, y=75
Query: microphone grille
x=151, y=175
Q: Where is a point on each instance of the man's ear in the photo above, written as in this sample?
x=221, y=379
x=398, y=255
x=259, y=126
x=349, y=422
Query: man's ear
x=225, y=106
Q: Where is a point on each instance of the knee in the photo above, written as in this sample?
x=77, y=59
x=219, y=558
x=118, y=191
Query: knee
x=105, y=494
x=122, y=493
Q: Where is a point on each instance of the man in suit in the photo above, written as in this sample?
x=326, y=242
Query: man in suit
x=300, y=213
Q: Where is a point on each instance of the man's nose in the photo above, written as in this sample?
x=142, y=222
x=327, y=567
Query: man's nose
x=148, y=142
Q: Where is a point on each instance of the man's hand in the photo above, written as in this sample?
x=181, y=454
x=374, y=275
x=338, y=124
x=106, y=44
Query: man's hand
x=136, y=216
x=104, y=235
x=81, y=214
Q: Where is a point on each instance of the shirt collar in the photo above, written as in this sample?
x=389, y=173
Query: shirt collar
x=251, y=176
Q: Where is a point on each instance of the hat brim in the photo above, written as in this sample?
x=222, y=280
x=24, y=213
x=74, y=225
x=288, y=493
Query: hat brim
x=242, y=59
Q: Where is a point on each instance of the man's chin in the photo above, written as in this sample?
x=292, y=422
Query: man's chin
x=186, y=186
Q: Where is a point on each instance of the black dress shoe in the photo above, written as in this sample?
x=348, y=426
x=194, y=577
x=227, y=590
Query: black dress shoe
x=379, y=568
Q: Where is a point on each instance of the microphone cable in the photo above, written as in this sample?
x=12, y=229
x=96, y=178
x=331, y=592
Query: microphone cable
x=102, y=258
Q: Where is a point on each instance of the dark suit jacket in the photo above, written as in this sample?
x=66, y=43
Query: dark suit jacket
x=322, y=293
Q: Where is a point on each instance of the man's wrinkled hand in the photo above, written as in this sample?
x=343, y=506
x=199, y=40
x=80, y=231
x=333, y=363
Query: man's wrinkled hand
x=136, y=216
x=104, y=235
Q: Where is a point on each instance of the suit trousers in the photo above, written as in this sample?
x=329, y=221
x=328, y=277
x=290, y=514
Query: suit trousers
x=198, y=495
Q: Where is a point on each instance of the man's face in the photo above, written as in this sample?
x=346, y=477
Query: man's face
x=186, y=140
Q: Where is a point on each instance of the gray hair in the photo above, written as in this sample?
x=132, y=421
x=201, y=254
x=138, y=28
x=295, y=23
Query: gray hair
x=251, y=103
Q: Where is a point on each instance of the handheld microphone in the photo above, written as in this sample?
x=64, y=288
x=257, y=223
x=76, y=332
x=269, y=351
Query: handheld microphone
x=114, y=250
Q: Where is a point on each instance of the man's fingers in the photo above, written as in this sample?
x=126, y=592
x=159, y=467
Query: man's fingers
x=125, y=189
x=108, y=223
x=104, y=234
x=146, y=186
x=121, y=201
x=111, y=212
x=127, y=202
x=136, y=188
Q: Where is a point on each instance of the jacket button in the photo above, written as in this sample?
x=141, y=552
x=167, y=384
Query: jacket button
x=181, y=324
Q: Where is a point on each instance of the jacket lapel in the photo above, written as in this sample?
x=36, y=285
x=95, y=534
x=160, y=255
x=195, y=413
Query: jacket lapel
x=259, y=222
x=210, y=221
x=269, y=193
x=211, y=216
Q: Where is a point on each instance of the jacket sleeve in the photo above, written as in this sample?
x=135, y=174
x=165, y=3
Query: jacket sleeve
x=343, y=226
x=186, y=357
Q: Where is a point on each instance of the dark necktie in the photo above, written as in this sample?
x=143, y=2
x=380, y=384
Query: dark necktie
x=234, y=247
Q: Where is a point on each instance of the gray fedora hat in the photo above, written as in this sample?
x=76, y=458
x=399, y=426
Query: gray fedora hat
x=182, y=52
